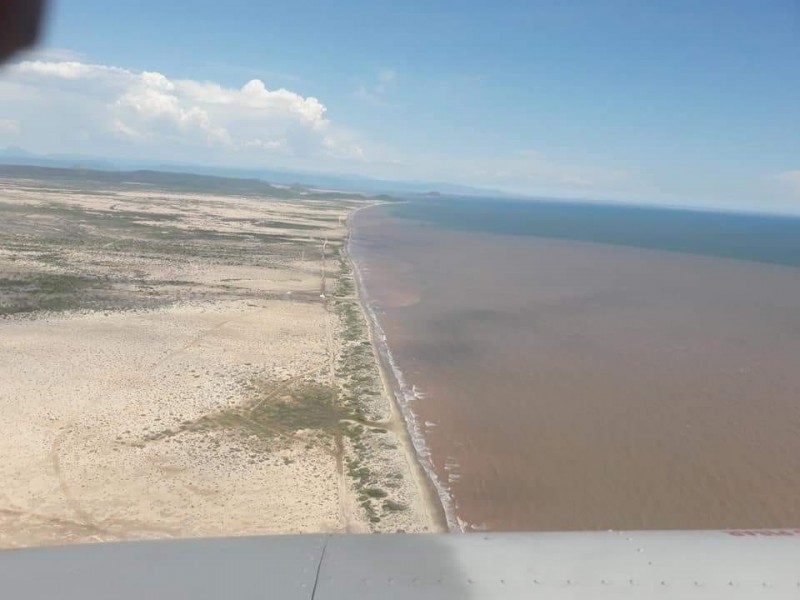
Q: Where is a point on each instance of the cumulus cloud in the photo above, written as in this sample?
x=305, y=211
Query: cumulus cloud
x=61, y=102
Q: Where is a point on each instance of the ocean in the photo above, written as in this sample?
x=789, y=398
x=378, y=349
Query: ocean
x=574, y=366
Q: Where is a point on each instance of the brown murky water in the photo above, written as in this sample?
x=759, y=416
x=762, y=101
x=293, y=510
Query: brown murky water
x=572, y=385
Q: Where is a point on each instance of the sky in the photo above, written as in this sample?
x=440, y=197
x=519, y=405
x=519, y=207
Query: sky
x=659, y=101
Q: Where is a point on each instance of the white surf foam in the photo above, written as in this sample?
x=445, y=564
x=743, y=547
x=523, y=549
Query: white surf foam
x=405, y=395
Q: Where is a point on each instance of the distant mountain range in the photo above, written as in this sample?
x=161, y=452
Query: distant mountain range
x=87, y=179
x=352, y=183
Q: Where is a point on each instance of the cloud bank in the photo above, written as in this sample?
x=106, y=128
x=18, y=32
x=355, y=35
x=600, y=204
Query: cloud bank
x=57, y=102
x=63, y=105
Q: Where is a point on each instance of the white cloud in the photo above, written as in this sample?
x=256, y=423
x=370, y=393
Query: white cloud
x=65, y=70
x=66, y=103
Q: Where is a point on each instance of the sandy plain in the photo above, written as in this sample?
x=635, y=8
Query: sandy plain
x=181, y=364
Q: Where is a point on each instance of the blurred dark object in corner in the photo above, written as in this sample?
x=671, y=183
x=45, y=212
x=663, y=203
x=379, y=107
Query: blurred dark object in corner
x=20, y=22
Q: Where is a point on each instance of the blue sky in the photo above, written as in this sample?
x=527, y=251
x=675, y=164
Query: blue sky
x=655, y=101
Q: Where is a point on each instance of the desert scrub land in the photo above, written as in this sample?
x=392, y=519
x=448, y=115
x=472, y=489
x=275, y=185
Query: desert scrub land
x=186, y=356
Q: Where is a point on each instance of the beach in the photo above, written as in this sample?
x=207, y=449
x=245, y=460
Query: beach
x=183, y=364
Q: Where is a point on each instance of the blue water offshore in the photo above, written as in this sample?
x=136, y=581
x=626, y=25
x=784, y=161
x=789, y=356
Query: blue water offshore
x=757, y=237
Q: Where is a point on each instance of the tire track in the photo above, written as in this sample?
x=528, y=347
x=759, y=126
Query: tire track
x=84, y=517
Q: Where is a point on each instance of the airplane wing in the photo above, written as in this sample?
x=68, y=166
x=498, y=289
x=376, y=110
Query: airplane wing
x=598, y=565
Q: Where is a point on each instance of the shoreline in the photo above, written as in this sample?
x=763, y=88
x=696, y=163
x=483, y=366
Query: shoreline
x=435, y=499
